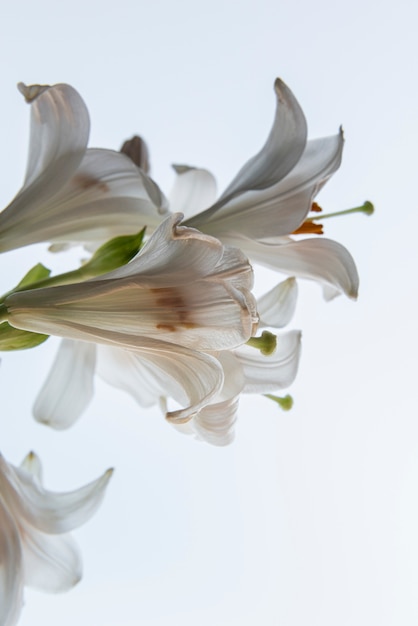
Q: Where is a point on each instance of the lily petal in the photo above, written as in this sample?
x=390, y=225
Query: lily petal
x=191, y=378
x=52, y=562
x=215, y=422
x=322, y=260
x=69, y=387
x=32, y=464
x=59, y=134
x=279, y=155
x=280, y=209
x=277, y=306
x=11, y=575
x=48, y=511
x=149, y=298
x=277, y=371
x=193, y=191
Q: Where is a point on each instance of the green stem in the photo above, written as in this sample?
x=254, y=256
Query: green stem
x=367, y=208
x=4, y=314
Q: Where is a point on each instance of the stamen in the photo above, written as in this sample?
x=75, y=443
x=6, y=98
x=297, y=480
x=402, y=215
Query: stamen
x=137, y=150
x=266, y=343
x=309, y=228
x=284, y=403
x=367, y=208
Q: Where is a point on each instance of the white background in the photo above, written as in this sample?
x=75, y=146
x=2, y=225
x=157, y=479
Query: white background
x=311, y=516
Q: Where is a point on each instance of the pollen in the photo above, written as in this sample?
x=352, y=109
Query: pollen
x=309, y=228
x=172, y=309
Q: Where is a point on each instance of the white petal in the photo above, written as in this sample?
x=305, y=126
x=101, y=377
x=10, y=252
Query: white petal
x=215, y=422
x=193, y=191
x=277, y=306
x=277, y=371
x=59, y=134
x=191, y=378
x=11, y=572
x=142, y=299
x=173, y=252
x=322, y=260
x=69, y=387
x=107, y=196
x=52, y=562
x=32, y=464
x=48, y=511
x=280, y=209
x=281, y=152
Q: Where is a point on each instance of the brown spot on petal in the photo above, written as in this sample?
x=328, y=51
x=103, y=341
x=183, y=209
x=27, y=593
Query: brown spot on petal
x=178, y=315
x=85, y=182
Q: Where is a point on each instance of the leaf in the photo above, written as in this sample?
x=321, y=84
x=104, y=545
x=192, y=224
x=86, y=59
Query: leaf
x=16, y=339
x=38, y=272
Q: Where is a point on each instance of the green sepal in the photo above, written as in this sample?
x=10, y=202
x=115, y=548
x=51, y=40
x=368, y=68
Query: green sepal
x=38, y=272
x=16, y=339
x=113, y=254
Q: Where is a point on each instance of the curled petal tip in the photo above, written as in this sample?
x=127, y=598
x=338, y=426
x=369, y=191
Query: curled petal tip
x=31, y=92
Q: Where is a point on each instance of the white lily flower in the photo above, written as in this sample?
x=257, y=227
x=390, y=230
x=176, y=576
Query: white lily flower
x=270, y=198
x=71, y=193
x=35, y=547
x=184, y=294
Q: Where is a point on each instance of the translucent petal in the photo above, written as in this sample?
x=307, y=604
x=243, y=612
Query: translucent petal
x=322, y=260
x=52, y=562
x=11, y=571
x=280, y=153
x=193, y=191
x=45, y=510
x=106, y=196
x=59, y=134
x=191, y=378
x=158, y=295
x=69, y=387
x=277, y=306
x=277, y=371
x=280, y=209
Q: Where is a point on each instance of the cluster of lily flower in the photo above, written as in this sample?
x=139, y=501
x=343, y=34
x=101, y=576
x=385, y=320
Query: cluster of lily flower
x=162, y=309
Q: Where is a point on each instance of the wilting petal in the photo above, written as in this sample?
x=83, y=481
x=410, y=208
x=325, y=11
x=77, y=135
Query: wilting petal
x=69, y=386
x=277, y=371
x=277, y=158
x=191, y=378
x=11, y=573
x=45, y=510
x=52, y=562
x=277, y=306
x=322, y=260
x=280, y=209
x=193, y=191
x=59, y=134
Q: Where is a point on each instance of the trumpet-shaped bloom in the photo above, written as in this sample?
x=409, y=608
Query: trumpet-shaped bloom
x=35, y=547
x=69, y=386
x=71, y=193
x=270, y=198
x=183, y=295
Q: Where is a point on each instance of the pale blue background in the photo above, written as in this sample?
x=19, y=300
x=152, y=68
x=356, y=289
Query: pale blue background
x=310, y=517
